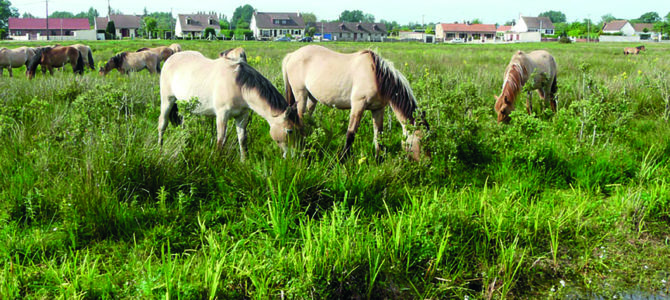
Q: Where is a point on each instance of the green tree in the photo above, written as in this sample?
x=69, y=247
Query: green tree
x=210, y=33
x=354, y=16
x=149, y=26
x=6, y=12
x=650, y=17
x=607, y=18
x=62, y=15
x=476, y=21
x=554, y=16
x=309, y=18
x=242, y=13
x=242, y=25
x=27, y=15
x=224, y=24
x=667, y=17
x=110, y=31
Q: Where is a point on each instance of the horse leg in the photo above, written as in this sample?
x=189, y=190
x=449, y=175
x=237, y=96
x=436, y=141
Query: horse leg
x=378, y=124
x=10, y=71
x=311, y=105
x=301, y=101
x=241, y=123
x=529, y=103
x=1, y=70
x=357, y=110
x=166, y=105
x=221, y=127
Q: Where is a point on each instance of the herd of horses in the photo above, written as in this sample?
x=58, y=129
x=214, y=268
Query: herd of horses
x=229, y=88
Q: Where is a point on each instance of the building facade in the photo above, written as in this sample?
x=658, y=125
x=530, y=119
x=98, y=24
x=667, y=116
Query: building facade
x=194, y=25
x=467, y=32
x=270, y=25
x=127, y=26
x=543, y=25
x=36, y=29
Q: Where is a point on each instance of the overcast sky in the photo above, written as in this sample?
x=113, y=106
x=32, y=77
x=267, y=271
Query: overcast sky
x=488, y=11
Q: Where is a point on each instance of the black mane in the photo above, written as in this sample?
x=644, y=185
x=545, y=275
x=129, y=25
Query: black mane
x=250, y=79
x=36, y=59
x=393, y=86
x=142, y=49
x=118, y=59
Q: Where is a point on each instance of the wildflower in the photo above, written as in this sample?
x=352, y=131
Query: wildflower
x=466, y=297
x=639, y=72
x=552, y=289
x=562, y=282
x=663, y=281
x=361, y=160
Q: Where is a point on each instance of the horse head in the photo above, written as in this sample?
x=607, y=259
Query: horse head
x=35, y=61
x=285, y=131
x=235, y=54
x=413, y=145
x=504, y=108
x=115, y=62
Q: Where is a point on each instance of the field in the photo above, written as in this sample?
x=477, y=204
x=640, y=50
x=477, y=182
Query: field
x=573, y=204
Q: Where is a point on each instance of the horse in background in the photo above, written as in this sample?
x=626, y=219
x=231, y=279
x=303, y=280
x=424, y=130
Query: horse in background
x=55, y=57
x=163, y=52
x=538, y=66
x=358, y=82
x=634, y=50
x=15, y=58
x=225, y=89
x=234, y=54
x=175, y=47
x=126, y=62
x=87, y=54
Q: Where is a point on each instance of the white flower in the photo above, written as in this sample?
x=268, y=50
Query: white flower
x=663, y=281
x=466, y=297
x=553, y=289
x=646, y=267
x=562, y=282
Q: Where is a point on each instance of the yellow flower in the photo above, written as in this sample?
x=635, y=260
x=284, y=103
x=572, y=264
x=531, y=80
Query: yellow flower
x=362, y=160
x=639, y=72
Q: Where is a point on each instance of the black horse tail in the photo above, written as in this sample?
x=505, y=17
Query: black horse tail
x=79, y=67
x=174, y=117
x=90, y=60
x=554, y=87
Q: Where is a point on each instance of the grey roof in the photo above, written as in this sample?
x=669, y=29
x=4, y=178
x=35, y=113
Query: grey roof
x=534, y=22
x=353, y=27
x=120, y=21
x=615, y=25
x=198, y=22
x=265, y=20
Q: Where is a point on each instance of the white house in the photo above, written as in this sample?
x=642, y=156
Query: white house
x=542, y=25
x=645, y=31
x=269, y=25
x=617, y=26
x=194, y=25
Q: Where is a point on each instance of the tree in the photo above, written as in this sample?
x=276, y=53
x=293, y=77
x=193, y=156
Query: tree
x=242, y=13
x=667, y=17
x=368, y=18
x=27, y=15
x=224, y=24
x=62, y=15
x=6, y=11
x=309, y=18
x=242, y=25
x=476, y=21
x=650, y=17
x=110, y=31
x=607, y=18
x=354, y=16
x=210, y=33
x=150, y=24
x=554, y=16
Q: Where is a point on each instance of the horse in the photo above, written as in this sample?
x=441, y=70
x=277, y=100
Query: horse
x=15, y=58
x=56, y=57
x=539, y=66
x=126, y=62
x=635, y=50
x=225, y=89
x=234, y=54
x=163, y=52
x=357, y=81
x=175, y=48
x=87, y=54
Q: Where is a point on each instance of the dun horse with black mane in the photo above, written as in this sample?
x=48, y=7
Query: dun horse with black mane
x=56, y=57
x=635, y=50
x=224, y=89
x=15, y=58
x=538, y=66
x=126, y=62
x=356, y=81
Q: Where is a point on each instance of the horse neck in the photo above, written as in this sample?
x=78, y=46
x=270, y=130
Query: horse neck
x=260, y=106
x=515, y=78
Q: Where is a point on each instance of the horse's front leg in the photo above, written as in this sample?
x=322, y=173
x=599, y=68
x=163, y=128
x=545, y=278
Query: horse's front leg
x=529, y=102
x=51, y=70
x=241, y=123
x=357, y=110
x=378, y=124
x=221, y=127
x=10, y=71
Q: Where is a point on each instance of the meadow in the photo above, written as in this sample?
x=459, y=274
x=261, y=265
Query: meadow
x=568, y=205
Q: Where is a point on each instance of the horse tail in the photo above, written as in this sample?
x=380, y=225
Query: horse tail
x=173, y=115
x=90, y=59
x=392, y=85
x=79, y=66
x=554, y=87
x=288, y=91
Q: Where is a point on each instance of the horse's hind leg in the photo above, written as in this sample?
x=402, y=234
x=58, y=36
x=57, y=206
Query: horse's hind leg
x=221, y=127
x=10, y=71
x=378, y=124
x=357, y=110
x=529, y=103
x=241, y=123
x=166, y=106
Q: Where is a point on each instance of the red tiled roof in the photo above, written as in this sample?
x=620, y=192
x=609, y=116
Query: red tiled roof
x=615, y=25
x=503, y=28
x=55, y=23
x=468, y=28
x=639, y=27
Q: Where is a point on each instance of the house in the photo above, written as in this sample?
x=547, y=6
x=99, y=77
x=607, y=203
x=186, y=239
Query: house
x=543, y=25
x=645, y=31
x=616, y=26
x=504, y=32
x=417, y=36
x=126, y=25
x=194, y=25
x=351, y=31
x=269, y=25
x=468, y=32
x=36, y=29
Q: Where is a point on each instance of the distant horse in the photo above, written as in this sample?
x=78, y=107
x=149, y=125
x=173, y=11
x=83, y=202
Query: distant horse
x=539, y=66
x=126, y=62
x=225, y=89
x=56, y=57
x=175, y=48
x=87, y=54
x=635, y=50
x=15, y=58
x=356, y=81
x=163, y=52
x=234, y=54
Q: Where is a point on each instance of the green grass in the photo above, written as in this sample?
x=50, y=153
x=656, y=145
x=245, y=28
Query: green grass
x=571, y=204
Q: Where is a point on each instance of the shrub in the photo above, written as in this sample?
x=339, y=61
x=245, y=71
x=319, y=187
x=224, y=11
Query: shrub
x=209, y=33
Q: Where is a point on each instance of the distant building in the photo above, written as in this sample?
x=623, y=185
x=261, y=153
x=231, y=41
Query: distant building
x=351, y=31
x=195, y=25
x=617, y=26
x=271, y=25
x=418, y=36
x=126, y=25
x=542, y=25
x=645, y=31
x=36, y=29
x=467, y=32
x=505, y=33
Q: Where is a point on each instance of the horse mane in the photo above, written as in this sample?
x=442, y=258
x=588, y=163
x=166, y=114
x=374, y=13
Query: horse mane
x=36, y=59
x=142, y=49
x=250, y=79
x=394, y=86
x=640, y=47
x=119, y=58
x=515, y=78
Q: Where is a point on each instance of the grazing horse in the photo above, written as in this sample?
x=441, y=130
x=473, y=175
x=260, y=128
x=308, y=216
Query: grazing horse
x=635, y=50
x=225, y=89
x=234, y=54
x=15, y=58
x=163, y=52
x=356, y=81
x=87, y=54
x=56, y=57
x=539, y=66
x=126, y=62
x=175, y=48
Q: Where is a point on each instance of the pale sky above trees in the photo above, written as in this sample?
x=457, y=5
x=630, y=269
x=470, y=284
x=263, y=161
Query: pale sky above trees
x=488, y=11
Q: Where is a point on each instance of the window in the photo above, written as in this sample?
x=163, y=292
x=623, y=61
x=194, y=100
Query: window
x=211, y=21
x=188, y=21
x=283, y=22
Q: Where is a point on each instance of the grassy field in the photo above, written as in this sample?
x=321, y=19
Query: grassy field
x=572, y=204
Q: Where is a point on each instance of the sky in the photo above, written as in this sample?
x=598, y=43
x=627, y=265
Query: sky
x=418, y=11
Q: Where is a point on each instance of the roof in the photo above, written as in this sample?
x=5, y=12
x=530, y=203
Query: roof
x=639, y=27
x=54, y=23
x=353, y=27
x=456, y=27
x=120, y=21
x=504, y=28
x=266, y=20
x=198, y=22
x=615, y=25
x=535, y=22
